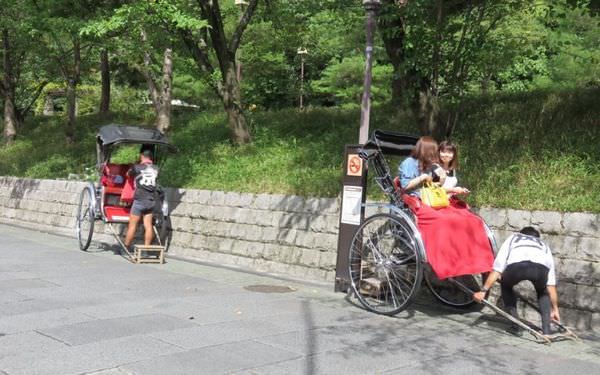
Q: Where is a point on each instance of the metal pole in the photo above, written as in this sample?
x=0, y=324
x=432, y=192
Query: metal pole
x=371, y=8
x=301, y=80
x=302, y=51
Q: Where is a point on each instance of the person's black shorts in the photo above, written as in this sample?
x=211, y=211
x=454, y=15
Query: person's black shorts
x=141, y=208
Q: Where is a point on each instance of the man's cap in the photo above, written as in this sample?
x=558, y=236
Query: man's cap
x=147, y=151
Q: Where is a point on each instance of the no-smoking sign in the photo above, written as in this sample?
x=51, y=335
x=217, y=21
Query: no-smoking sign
x=354, y=165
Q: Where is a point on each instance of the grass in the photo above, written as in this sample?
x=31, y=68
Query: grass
x=531, y=151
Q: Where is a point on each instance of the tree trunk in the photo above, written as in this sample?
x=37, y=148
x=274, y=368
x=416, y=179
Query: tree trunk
x=228, y=88
x=426, y=110
x=105, y=77
x=240, y=134
x=10, y=122
x=163, y=115
x=8, y=91
x=71, y=99
x=72, y=83
x=393, y=34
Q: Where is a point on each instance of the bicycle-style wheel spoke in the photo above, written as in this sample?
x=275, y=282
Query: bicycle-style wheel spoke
x=385, y=265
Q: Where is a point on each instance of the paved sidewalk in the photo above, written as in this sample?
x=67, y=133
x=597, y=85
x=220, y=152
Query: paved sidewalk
x=64, y=311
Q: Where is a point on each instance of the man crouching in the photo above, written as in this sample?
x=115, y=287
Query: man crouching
x=524, y=256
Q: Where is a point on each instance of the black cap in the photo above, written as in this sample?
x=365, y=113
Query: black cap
x=147, y=151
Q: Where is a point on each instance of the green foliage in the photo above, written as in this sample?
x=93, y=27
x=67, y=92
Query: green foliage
x=268, y=78
x=342, y=82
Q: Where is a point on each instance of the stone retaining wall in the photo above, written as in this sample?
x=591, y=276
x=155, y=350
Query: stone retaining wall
x=297, y=236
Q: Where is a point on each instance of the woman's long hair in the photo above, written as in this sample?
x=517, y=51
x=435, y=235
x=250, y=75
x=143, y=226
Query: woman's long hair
x=426, y=152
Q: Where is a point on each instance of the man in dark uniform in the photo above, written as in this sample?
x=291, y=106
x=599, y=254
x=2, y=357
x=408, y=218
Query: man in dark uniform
x=524, y=256
x=145, y=174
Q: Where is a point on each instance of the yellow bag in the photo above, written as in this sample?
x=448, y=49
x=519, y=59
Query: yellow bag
x=434, y=196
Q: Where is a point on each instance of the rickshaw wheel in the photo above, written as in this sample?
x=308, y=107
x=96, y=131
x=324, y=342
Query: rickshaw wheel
x=448, y=293
x=163, y=232
x=386, y=267
x=85, y=219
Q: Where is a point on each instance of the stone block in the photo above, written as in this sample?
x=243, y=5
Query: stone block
x=277, y=202
x=263, y=218
x=197, y=241
x=326, y=241
x=318, y=223
x=254, y=249
x=589, y=249
x=253, y=233
x=287, y=236
x=295, y=203
x=583, y=224
x=567, y=294
x=305, y=239
x=261, y=202
x=495, y=218
x=240, y=248
x=332, y=224
x=547, y=222
x=310, y=258
x=578, y=272
x=296, y=220
x=595, y=322
x=276, y=218
x=562, y=246
x=271, y=251
x=217, y=198
x=311, y=205
x=269, y=234
x=328, y=260
x=518, y=219
x=315, y=274
x=244, y=215
x=587, y=297
x=578, y=319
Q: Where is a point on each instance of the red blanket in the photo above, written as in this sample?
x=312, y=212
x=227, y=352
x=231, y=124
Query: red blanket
x=455, y=239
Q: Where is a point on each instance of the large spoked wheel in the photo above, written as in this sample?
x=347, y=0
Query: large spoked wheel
x=385, y=264
x=85, y=219
x=450, y=294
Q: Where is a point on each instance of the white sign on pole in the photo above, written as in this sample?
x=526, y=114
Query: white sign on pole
x=351, y=205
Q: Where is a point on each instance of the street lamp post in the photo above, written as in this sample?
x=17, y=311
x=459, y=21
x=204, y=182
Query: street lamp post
x=371, y=8
x=238, y=53
x=302, y=52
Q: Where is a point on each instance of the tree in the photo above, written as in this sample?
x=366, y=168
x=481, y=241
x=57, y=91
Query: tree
x=225, y=82
x=139, y=29
x=20, y=84
x=436, y=47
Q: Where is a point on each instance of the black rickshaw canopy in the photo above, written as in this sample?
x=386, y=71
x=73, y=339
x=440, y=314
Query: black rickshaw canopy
x=392, y=143
x=115, y=134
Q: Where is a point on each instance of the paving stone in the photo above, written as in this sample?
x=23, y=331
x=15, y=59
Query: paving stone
x=99, y=330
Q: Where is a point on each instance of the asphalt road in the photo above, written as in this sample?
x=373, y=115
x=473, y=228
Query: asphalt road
x=64, y=311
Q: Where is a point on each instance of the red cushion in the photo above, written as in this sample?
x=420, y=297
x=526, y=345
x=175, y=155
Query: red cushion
x=116, y=214
x=110, y=173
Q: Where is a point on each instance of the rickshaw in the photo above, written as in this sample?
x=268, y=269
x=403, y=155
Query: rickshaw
x=111, y=197
x=387, y=256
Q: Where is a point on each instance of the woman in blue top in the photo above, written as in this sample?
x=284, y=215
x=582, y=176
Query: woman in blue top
x=455, y=239
x=421, y=167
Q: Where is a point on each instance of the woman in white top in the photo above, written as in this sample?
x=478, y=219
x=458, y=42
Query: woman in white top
x=449, y=158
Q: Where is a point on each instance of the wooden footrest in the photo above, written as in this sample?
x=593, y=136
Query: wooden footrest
x=148, y=254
